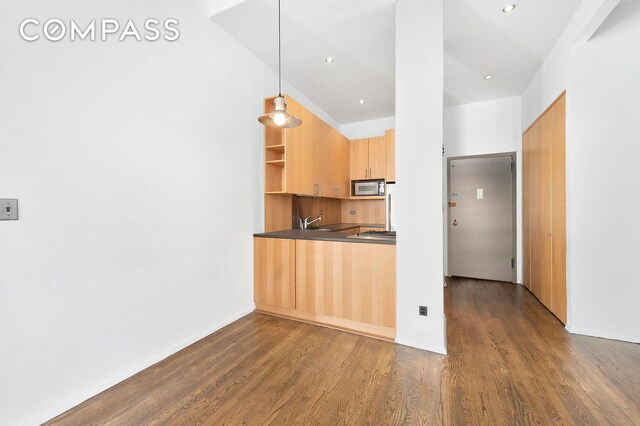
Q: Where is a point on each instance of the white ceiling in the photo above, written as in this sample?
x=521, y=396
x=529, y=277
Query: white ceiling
x=360, y=35
x=482, y=40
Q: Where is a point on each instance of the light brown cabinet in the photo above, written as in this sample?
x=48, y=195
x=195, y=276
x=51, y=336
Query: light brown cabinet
x=311, y=159
x=368, y=158
x=274, y=272
x=334, y=182
x=359, y=159
x=390, y=141
x=348, y=281
x=544, y=209
x=350, y=286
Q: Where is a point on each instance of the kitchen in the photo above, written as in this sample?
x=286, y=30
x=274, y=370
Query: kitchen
x=327, y=255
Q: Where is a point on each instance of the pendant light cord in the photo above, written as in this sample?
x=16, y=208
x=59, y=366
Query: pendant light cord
x=279, y=54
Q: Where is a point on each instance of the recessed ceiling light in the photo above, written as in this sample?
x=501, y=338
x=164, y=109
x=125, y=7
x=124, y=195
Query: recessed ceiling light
x=361, y=101
x=488, y=77
x=329, y=60
x=509, y=8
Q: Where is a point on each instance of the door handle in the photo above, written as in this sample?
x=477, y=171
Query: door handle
x=455, y=222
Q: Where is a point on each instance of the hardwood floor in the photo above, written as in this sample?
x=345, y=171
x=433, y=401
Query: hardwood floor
x=510, y=362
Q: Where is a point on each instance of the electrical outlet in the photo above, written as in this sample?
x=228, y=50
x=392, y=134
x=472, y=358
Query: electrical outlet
x=422, y=310
x=321, y=212
x=352, y=212
x=8, y=209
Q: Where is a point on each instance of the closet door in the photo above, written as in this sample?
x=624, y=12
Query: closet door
x=555, y=121
x=526, y=209
x=544, y=209
x=540, y=215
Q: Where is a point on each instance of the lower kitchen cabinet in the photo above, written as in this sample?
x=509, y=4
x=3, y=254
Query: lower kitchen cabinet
x=274, y=272
x=349, y=286
x=350, y=281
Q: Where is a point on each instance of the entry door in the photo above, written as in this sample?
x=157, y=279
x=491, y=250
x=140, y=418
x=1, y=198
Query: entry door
x=481, y=218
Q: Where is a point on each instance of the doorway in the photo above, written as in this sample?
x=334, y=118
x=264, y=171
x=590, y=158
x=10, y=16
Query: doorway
x=482, y=217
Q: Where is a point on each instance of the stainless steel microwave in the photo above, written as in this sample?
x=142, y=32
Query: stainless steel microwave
x=368, y=188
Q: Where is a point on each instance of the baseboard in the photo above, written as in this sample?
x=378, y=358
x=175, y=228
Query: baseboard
x=114, y=380
x=426, y=346
x=604, y=334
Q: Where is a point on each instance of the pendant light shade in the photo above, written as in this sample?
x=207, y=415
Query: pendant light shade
x=279, y=118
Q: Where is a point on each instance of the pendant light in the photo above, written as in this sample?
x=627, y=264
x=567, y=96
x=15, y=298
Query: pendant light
x=279, y=117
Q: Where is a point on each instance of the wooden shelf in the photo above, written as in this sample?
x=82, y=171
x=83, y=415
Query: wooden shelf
x=278, y=163
x=276, y=148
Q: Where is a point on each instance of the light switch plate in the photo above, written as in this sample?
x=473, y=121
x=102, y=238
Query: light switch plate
x=480, y=193
x=8, y=209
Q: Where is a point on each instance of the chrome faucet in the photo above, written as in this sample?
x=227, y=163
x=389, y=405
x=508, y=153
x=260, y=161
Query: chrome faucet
x=306, y=223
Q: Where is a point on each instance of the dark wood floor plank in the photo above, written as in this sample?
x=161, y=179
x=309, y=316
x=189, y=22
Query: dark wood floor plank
x=510, y=362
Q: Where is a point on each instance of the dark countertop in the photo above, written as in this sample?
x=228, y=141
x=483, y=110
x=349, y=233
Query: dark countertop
x=334, y=234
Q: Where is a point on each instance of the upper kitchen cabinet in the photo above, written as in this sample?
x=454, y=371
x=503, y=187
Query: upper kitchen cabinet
x=311, y=159
x=359, y=159
x=390, y=140
x=368, y=158
x=377, y=157
x=335, y=173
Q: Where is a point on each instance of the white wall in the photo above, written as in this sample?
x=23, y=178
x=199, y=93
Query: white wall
x=600, y=76
x=483, y=127
x=366, y=129
x=138, y=170
x=419, y=100
x=553, y=76
x=480, y=128
x=603, y=179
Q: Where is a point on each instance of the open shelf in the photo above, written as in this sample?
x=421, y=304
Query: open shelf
x=276, y=148
x=278, y=163
x=274, y=156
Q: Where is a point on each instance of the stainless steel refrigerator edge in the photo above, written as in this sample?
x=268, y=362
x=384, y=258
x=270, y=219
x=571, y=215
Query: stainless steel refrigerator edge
x=390, y=208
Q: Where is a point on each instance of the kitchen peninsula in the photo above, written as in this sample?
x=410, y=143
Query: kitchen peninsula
x=342, y=273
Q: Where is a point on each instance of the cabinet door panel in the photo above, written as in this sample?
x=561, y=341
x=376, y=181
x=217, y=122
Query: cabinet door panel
x=555, y=122
x=526, y=207
x=353, y=281
x=390, y=139
x=342, y=161
x=300, y=151
x=377, y=157
x=274, y=272
x=359, y=154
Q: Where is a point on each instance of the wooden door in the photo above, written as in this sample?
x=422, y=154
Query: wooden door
x=322, y=167
x=544, y=209
x=274, y=272
x=359, y=155
x=390, y=141
x=377, y=157
x=526, y=206
x=541, y=215
x=300, y=151
x=340, y=159
x=555, y=125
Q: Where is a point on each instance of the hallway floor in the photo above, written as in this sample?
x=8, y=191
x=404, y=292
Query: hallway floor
x=510, y=362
